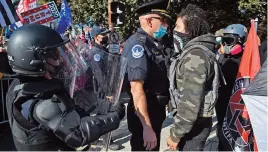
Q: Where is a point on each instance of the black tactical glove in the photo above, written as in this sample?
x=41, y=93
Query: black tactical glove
x=119, y=108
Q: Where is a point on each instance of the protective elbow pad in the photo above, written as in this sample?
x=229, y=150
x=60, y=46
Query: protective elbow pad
x=68, y=130
x=109, y=122
x=65, y=124
x=91, y=128
x=120, y=110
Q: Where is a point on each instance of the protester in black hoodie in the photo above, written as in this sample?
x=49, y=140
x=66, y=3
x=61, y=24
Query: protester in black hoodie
x=230, y=53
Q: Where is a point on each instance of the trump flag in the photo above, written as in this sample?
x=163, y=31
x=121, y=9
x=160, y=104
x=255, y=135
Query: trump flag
x=65, y=18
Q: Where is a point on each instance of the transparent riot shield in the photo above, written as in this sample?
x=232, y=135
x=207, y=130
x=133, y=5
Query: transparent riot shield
x=99, y=88
x=66, y=64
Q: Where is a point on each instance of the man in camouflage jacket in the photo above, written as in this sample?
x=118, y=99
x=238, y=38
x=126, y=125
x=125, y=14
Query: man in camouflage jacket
x=195, y=79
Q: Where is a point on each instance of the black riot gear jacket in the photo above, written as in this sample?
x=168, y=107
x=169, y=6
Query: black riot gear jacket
x=52, y=122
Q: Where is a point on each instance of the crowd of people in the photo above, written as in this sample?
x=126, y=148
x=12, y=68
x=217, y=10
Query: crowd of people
x=50, y=108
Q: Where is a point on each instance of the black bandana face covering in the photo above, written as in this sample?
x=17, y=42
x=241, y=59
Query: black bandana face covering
x=104, y=40
x=180, y=40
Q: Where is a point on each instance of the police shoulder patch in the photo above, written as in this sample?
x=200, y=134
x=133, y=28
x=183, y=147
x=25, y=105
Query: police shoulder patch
x=137, y=51
x=97, y=57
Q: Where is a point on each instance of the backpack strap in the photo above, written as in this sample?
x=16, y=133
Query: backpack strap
x=174, y=94
x=215, y=81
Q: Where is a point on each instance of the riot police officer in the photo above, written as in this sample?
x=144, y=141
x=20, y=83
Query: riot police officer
x=99, y=51
x=39, y=103
x=147, y=77
x=100, y=39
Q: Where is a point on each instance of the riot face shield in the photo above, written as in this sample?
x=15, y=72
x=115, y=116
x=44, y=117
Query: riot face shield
x=64, y=63
x=104, y=76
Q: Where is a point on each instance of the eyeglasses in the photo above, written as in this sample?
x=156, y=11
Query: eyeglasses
x=163, y=20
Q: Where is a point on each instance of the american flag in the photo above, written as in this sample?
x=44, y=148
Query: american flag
x=8, y=13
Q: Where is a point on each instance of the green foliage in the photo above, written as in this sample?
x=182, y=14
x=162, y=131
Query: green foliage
x=131, y=22
x=84, y=10
x=220, y=12
x=97, y=11
x=41, y=2
x=254, y=8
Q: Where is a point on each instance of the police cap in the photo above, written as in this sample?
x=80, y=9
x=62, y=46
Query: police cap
x=155, y=7
x=98, y=30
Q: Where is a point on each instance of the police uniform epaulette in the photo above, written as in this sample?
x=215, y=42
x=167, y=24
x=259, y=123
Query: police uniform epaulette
x=141, y=37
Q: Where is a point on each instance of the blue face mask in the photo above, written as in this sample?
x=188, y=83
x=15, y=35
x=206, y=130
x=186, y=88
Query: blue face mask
x=160, y=33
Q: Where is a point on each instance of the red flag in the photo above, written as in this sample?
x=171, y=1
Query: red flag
x=237, y=129
x=250, y=62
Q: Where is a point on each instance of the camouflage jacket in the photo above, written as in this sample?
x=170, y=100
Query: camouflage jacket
x=194, y=77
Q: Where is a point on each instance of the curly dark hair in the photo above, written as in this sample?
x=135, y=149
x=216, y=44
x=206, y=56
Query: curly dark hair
x=195, y=21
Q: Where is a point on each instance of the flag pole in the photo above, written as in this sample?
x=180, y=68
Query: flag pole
x=2, y=32
x=2, y=74
x=256, y=23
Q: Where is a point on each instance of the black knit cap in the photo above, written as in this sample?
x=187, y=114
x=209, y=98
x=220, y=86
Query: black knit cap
x=155, y=7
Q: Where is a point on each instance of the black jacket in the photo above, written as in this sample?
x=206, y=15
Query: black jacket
x=229, y=65
x=263, y=51
x=42, y=117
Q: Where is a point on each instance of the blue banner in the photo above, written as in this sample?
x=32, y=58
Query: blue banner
x=66, y=18
x=7, y=32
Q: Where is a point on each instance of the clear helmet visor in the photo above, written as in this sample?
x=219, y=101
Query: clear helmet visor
x=66, y=64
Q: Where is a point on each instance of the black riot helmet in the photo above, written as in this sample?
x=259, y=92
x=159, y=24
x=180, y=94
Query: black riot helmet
x=30, y=45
